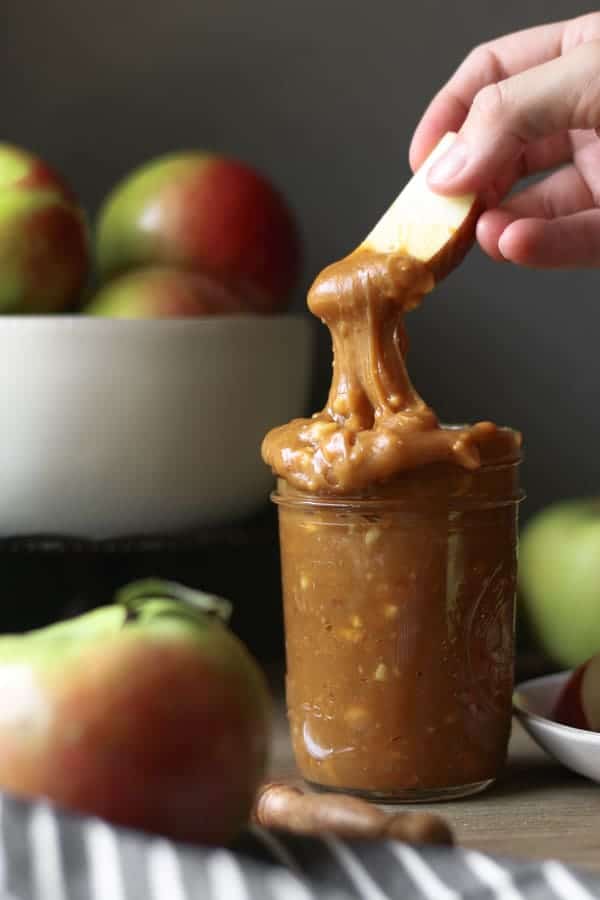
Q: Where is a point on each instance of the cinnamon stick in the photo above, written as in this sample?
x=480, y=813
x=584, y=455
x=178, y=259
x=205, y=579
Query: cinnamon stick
x=281, y=805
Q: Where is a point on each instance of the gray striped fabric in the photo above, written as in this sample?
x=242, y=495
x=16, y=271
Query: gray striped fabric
x=46, y=855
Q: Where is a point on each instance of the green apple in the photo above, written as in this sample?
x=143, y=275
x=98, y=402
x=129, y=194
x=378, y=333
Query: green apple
x=203, y=212
x=159, y=292
x=43, y=251
x=559, y=566
x=149, y=713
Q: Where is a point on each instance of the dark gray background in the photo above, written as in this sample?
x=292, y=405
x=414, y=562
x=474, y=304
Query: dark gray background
x=323, y=95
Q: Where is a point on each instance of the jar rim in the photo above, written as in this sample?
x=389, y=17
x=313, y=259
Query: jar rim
x=365, y=505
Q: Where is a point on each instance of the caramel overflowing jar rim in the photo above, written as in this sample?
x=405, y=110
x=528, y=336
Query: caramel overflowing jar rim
x=494, y=483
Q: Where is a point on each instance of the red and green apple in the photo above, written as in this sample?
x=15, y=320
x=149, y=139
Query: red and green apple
x=207, y=213
x=44, y=254
x=149, y=713
x=23, y=170
x=160, y=292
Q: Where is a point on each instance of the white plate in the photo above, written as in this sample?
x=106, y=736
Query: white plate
x=533, y=702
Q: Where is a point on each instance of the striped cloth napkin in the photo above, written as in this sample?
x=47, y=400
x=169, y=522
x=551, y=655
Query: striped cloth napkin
x=46, y=855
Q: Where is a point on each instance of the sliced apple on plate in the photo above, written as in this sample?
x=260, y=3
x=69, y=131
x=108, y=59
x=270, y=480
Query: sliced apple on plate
x=430, y=227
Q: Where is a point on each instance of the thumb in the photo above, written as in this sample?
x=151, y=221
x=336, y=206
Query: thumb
x=504, y=117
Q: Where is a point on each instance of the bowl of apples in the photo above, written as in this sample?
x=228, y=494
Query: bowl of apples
x=139, y=408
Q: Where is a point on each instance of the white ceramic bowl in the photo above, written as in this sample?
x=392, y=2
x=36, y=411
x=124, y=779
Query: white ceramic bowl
x=115, y=428
x=533, y=702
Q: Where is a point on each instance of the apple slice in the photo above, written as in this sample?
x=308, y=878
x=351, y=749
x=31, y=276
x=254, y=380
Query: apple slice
x=579, y=702
x=435, y=229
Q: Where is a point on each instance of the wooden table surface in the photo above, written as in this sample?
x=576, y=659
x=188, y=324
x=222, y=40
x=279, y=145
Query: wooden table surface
x=537, y=809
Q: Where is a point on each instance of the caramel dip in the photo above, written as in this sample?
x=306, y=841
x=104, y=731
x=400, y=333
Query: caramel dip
x=398, y=544
x=375, y=424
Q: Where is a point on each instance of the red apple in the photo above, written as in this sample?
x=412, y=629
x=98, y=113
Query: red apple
x=579, y=701
x=149, y=713
x=207, y=213
x=25, y=171
x=43, y=251
x=158, y=293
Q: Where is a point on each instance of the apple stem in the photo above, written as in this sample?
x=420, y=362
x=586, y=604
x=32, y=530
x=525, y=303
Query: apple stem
x=135, y=595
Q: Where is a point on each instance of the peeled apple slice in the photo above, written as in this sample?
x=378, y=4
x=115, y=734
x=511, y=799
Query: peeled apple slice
x=430, y=227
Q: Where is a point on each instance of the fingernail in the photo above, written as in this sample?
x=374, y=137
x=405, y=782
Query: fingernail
x=450, y=164
x=503, y=250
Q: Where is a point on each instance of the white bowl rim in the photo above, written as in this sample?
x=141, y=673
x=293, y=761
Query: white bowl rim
x=556, y=679
x=83, y=320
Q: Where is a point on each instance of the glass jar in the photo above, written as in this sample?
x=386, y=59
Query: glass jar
x=399, y=623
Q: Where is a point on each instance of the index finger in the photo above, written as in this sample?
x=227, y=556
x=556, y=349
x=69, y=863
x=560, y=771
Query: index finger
x=487, y=64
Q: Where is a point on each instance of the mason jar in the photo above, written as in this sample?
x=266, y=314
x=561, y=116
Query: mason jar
x=399, y=610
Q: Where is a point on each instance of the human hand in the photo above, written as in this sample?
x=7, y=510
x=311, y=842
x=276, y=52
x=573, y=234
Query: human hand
x=523, y=104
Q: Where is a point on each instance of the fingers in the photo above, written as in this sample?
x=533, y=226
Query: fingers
x=566, y=243
x=446, y=112
x=561, y=194
x=547, y=153
x=513, y=102
x=545, y=100
x=490, y=228
x=493, y=62
x=569, y=190
x=586, y=156
x=485, y=65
